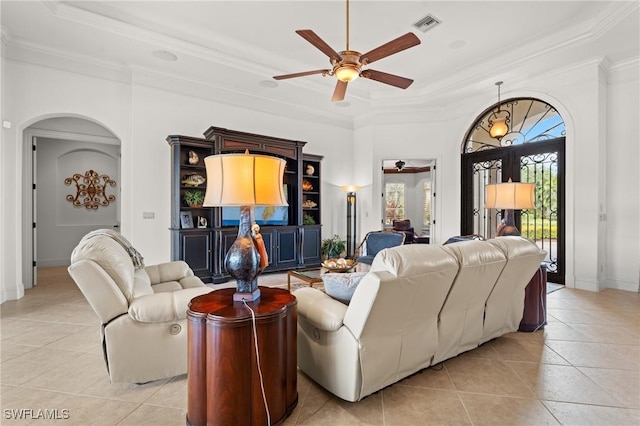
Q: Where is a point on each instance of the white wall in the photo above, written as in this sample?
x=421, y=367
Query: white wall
x=141, y=117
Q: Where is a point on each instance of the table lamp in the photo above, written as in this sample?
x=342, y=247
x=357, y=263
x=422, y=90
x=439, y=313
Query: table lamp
x=509, y=196
x=244, y=180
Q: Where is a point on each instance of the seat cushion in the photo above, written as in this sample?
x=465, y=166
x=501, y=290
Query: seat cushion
x=341, y=286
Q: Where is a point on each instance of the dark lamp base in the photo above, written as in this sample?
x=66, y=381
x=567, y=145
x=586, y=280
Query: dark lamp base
x=247, y=297
x=507, y=225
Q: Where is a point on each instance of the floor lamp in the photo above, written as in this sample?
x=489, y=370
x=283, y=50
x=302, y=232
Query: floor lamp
x=245, y=180
x=509, y=196
x=351, y=219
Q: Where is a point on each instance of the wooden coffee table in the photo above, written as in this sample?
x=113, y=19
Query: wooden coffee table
x=309, y=276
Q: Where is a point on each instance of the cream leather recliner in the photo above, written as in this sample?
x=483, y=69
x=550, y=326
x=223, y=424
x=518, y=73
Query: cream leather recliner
x=142, y=309
x=418, y=305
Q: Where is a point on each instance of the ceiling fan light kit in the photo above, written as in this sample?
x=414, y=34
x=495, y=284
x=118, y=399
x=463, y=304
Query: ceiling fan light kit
x=348, y=65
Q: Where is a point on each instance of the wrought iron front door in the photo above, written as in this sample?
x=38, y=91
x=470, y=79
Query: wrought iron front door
x=541, y=163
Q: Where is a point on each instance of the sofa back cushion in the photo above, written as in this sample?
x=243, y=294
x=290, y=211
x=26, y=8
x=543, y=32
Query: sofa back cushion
x=505, y=304
x=460, y=323
x=411, y=260
x=394, y=312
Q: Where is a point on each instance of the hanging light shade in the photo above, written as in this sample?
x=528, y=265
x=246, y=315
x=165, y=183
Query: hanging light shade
x=499, y=120
x=499, y=128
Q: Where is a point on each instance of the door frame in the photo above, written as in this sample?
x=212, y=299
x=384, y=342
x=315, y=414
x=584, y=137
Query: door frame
x=29, y=232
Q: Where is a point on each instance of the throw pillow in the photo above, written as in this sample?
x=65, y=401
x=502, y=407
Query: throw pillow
x=341, y=286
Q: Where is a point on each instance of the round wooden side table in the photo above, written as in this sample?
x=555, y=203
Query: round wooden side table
x=223, y=381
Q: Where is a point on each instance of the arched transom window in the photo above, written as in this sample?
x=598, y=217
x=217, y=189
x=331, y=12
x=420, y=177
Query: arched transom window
x=528, y=120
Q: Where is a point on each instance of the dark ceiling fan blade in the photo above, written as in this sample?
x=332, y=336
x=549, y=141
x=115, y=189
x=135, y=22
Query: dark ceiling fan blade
x=383, y=77
x=301, y=74
x=314, y=39
x=340, y=90
x=394, y=46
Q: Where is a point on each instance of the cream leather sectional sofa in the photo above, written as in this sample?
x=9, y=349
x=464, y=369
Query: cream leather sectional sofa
x=417, y=306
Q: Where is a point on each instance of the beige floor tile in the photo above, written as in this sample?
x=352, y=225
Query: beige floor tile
x=22, y=405
x=484, y=351
x=609, y=334
x=173, y=394
x=585, y=415
x=562, y=383
x=72, y=376
x=32, y=364
x=435, y=377
x=319, y=407
x=9, y=351
x=84, y=410
x=129, y=392
x=513, y=348
x=86, y=339
x=10, y=328
x=405, y=406
x=486, y=376
x=493, y=410
x=574, y=316
x=625, y=387
x=588, y=354
x=556, y=330
x=44, y=333
x=153, y=415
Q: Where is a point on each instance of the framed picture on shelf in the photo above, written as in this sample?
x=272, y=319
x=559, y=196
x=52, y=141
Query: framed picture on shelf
x=186, y=220
x=202, y=221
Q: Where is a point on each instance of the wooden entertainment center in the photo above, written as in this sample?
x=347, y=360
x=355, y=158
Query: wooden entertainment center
x=205, y=235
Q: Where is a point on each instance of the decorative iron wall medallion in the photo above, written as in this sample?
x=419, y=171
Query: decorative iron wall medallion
x=91, y=190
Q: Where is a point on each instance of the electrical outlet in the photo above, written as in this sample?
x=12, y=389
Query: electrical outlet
x=148, y=215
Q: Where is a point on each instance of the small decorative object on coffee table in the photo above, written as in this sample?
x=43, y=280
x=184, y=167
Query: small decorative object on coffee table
x=339, y=265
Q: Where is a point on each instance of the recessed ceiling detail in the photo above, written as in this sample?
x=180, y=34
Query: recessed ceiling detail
x=164, y=55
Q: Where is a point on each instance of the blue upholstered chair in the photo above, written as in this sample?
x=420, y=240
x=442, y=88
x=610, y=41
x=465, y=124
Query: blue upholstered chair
x=377, y=240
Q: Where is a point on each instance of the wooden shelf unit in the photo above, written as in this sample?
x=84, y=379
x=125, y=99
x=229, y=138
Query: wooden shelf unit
x=292, y=246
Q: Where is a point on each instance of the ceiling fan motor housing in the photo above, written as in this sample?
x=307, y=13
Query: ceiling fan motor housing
x=348, y=67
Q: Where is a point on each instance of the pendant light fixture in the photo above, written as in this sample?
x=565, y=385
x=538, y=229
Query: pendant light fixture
x=499, y=119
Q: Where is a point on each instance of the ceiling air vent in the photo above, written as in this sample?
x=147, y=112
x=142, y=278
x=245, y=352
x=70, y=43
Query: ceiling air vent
x=427, y=23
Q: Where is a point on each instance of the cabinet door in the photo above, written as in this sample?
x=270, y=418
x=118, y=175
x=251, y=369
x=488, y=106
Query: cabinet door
x=267, y=237
x=311, y=241
x=286, y=249
x=195, y=249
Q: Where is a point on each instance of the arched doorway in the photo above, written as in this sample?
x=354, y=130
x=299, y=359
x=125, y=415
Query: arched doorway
x=533, y=151
x=57, y=149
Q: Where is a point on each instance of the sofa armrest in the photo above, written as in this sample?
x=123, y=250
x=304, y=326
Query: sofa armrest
x=169, y=271
x=164, y=307
x=320, y=309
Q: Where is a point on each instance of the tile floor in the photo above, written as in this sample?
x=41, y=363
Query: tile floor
x=583, y=369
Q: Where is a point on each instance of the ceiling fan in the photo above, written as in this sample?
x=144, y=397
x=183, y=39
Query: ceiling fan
x=349, y=64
